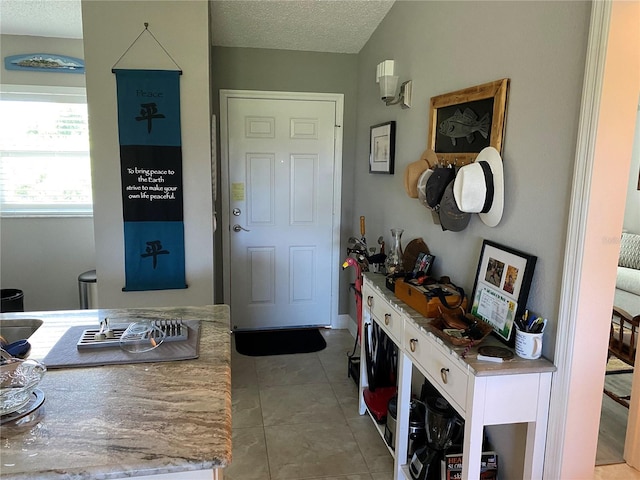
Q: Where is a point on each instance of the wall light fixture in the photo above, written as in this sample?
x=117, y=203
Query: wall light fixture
x=388, y=84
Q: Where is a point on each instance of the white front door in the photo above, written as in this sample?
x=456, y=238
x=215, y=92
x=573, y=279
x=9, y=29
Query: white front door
x=281, y=216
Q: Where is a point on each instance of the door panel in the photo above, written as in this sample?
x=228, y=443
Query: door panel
x=302, y=261
x=260, y=189
x=281, y=170
x=304, y=189
x=261, y=275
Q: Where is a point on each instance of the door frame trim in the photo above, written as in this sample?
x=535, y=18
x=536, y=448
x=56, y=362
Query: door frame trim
x=581, y=273
x=338, y=99
x=576, y=235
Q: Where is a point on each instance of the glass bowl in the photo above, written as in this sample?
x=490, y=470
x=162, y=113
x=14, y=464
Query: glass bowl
x=18, y=380
x=141, y=337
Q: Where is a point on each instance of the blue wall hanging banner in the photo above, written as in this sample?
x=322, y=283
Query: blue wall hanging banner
x=151, y=173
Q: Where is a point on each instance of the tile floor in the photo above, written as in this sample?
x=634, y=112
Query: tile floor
x=296, y=417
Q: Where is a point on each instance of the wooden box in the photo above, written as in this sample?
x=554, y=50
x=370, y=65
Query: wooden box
x=424, y=301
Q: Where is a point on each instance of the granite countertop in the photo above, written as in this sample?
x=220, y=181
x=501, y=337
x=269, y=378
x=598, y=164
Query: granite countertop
x=125, y=420
x=480, y=368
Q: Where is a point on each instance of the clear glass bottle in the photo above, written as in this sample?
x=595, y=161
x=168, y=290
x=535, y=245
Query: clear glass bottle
x=393, y=262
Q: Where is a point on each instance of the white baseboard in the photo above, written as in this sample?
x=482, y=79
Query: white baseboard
x=345, y=322
x=341, y=322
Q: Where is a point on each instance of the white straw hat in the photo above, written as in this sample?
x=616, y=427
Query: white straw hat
x=479, y=187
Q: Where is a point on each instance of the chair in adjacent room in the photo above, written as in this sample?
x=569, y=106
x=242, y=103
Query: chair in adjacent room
x=623, y=340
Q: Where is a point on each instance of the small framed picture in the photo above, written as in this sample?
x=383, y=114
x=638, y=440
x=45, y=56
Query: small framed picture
x=382, y=148
x=501, y=287
x=424, y=262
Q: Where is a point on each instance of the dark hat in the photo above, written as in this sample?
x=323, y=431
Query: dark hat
x=436, y=185
x=451, y=218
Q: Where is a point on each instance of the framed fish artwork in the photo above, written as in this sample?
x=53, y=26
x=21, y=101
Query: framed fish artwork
x=464, y=122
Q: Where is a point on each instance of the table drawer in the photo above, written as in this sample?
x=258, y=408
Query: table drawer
x=449, y=377
x=416, y=345
x=388, y=318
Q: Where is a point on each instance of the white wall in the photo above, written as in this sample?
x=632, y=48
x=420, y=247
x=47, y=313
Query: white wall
x=44, y=256
x=182, y=27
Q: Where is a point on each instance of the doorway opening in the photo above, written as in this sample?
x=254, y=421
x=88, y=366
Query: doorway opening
x=614, y=416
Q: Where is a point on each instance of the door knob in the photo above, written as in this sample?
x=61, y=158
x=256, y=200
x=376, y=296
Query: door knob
x=237, y=228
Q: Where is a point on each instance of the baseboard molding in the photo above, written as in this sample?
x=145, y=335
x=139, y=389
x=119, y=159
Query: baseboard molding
x=345, y=321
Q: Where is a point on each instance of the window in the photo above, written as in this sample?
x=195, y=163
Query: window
x=45, y=168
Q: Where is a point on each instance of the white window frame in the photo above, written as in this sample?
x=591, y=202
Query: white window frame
x=47, y=93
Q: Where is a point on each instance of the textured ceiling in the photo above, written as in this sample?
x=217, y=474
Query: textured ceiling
x=42, y=18
x=313, y=25
x=339, y=26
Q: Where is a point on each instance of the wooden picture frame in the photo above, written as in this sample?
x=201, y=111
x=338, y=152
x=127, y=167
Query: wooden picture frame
x=501, y=288
x=382, y=148
x=464, y=122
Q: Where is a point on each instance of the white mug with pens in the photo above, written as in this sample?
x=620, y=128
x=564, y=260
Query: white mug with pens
x=529, y=336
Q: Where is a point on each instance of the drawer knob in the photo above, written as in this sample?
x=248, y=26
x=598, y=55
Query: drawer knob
x=387, y=318
x=443, y=374
x=370, y=300
x=412, y=344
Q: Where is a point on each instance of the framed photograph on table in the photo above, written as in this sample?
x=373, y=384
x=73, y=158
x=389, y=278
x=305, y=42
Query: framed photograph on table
x=501, y=288
x=463, y=122
x=382, y=148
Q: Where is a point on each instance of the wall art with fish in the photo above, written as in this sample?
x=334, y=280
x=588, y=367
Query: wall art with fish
x=464, y=122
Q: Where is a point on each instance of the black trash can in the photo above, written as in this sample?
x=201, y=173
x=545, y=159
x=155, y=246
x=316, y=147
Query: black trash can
x=88, y=290
x=12, y=300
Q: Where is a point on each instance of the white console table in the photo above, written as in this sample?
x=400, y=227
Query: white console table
x=483, y=393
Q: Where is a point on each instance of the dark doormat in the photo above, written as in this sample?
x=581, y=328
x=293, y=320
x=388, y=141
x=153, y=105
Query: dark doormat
x=279, y=342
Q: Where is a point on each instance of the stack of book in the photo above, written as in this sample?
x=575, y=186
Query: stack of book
x=452, y=466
